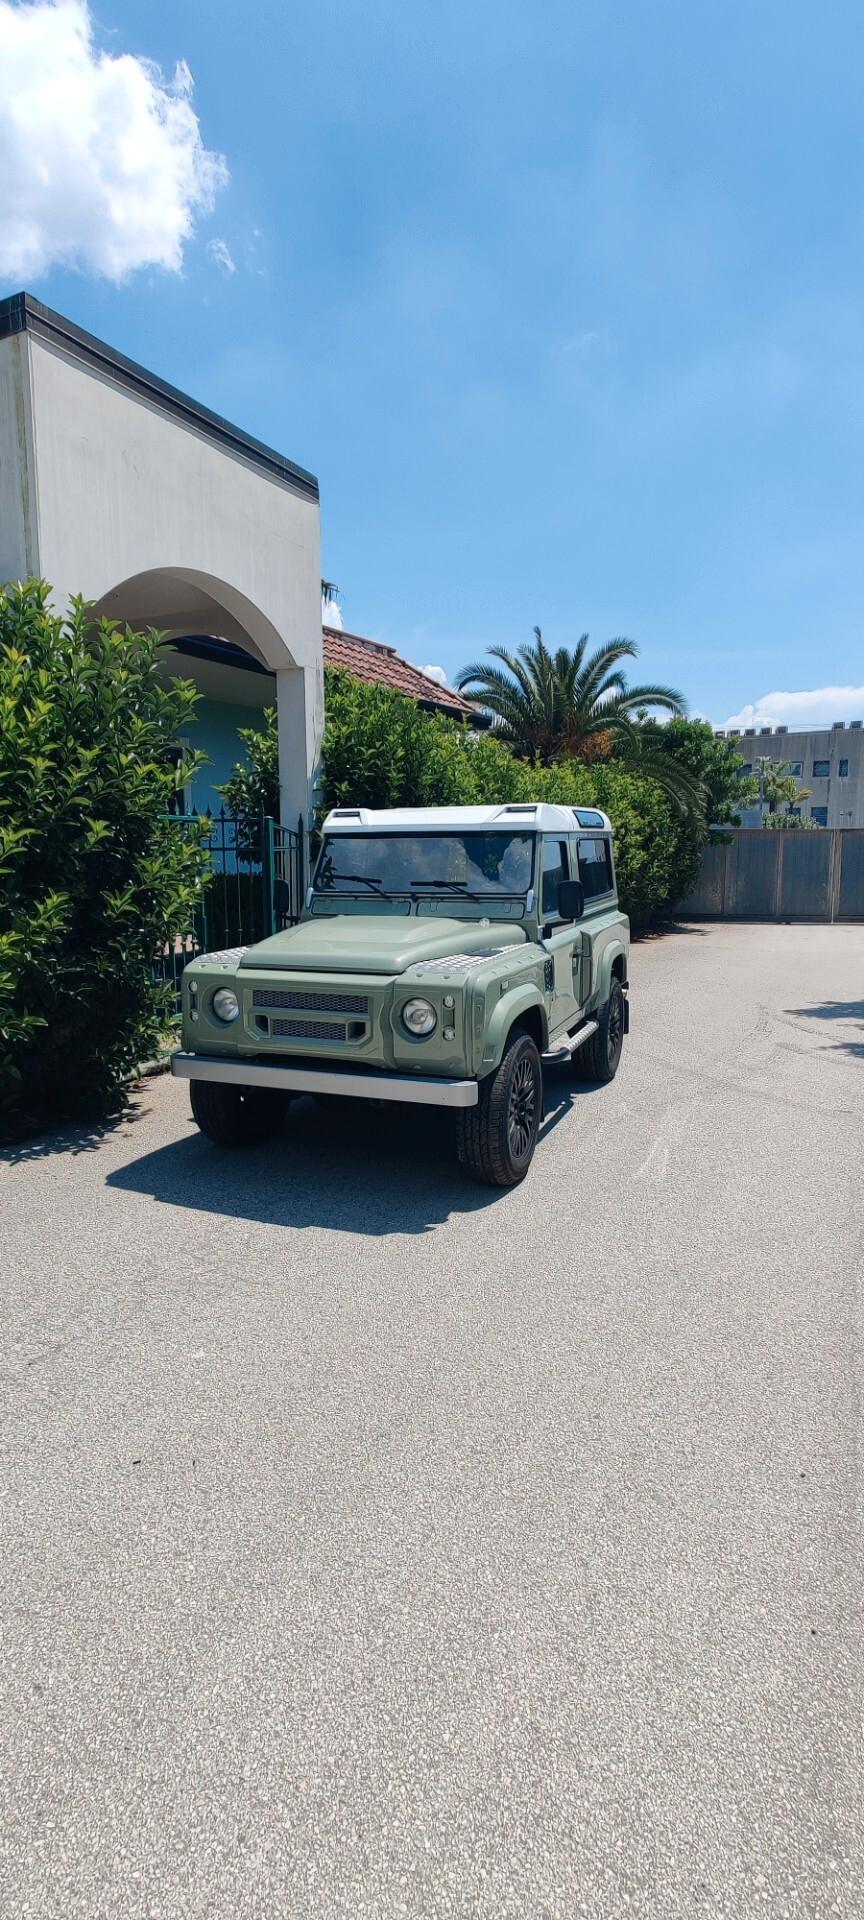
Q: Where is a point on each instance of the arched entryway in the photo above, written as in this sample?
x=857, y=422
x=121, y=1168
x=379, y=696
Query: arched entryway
x=220, y=641
x=117, y=487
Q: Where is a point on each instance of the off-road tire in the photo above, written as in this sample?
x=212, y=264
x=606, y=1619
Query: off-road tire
x=495, y=1140
x=600, y=1057
x=236, y=1116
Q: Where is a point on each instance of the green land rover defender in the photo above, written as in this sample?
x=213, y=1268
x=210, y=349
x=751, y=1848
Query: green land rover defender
x=441, y=954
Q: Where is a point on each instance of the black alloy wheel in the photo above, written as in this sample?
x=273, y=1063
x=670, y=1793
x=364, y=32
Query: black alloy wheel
x=496, y=1139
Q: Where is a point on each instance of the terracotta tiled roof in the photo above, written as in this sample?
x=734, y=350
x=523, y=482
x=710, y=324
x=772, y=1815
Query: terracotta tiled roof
x=371, y=660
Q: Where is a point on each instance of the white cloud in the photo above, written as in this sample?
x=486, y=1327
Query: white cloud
x=435, y=673
x=591, y=341
x=220, y=254
x=817, y=707
x=101, y=158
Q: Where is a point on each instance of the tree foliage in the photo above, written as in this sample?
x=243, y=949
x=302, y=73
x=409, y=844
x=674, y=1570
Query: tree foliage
x=789, y=823
x=714, y=765
x=778, y=787
x=94, y=876
x=564, y=705
x=380, y=750
x=253, y=787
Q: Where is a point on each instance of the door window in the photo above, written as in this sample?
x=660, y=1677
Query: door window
x=554, y=871
x=595, y=867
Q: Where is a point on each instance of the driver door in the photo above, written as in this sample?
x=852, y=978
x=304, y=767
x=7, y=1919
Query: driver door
x=562, y=939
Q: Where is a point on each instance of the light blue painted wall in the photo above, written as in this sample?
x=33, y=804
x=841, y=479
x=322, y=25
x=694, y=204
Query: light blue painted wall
x=216, y=731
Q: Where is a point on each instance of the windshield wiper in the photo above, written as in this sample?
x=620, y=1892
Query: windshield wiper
x=457, y=886
x=365, y=879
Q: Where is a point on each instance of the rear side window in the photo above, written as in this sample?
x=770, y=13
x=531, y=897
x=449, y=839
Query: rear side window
x=595, y=867
x=554, y=871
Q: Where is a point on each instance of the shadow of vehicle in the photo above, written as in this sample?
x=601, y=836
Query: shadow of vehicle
x=848, y=1011
x=355, y=1168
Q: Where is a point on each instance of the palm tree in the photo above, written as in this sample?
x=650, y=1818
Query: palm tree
x=779, y=785
x=564, y=705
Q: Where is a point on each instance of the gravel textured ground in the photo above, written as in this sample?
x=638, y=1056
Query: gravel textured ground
x=376, y=1545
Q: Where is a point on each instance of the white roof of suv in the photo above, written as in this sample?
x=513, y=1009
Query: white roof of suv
x=537, y=817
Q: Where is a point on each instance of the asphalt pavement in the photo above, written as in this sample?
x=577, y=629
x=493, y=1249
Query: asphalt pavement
x=374, y=1544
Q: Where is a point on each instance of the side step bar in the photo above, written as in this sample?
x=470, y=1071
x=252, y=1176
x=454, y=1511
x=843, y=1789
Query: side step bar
x=570, y=1043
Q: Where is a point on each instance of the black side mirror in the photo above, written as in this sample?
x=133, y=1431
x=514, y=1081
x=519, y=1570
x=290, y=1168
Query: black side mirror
x=571, y=899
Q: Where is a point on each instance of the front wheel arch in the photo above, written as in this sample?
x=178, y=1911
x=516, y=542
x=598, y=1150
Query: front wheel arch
x=520, y=1011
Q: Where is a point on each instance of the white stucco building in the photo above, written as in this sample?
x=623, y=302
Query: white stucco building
x=116, y=486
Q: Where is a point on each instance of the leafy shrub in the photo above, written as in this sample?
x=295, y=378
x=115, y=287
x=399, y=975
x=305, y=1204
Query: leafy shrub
x=380, y=750
x=94, y=876
x=253, y=788
x=716, y=764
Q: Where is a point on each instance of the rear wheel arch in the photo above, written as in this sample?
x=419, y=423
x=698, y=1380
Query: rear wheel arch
x=611, y=965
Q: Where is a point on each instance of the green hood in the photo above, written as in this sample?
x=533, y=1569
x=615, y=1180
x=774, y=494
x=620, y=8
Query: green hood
x=374, y=943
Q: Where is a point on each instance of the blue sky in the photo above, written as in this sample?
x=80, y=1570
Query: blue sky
x=564, y=305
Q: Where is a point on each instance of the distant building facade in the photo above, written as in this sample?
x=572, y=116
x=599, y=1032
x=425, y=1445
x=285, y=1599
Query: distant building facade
x=828, y=760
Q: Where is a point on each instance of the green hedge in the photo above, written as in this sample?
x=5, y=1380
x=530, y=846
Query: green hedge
x=380, y=750
x=94, y=876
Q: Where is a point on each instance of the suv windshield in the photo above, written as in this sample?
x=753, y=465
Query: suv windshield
x=476, y=864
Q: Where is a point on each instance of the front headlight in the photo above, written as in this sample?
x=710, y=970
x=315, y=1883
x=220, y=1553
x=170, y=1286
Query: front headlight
x=419, y=1017
x=226, y=1005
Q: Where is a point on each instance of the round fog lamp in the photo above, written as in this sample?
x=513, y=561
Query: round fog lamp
x=419, y=1017
x=226, y=1005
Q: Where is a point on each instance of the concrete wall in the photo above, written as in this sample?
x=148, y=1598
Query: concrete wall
x=843, y=796
x=104, y=491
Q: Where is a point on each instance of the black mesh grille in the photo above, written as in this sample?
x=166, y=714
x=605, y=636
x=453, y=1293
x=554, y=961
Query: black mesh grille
x=308, y=1029
x=307, y=1002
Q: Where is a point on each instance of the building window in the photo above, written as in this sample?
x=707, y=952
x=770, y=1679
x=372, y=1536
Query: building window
x=796, y=811
x=843, y=769
x=796, y=768
x=820, y=815
x=821, y=769
x=595, y=868
x=746, y=770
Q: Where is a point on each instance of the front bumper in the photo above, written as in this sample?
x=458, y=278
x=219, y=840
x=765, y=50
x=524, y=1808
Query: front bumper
x=416, y=1089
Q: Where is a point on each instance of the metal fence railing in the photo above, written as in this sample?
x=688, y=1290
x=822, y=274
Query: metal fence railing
x=255, y=887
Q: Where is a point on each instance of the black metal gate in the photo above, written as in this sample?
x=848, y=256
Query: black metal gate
x=255, y=886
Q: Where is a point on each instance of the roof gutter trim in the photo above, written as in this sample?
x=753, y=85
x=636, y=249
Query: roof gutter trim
x=20, y=313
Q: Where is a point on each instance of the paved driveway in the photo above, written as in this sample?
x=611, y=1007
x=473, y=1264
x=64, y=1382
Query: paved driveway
x=374, y=1545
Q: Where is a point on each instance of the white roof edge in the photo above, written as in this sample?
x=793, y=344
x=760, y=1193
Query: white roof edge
x=540, y=816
